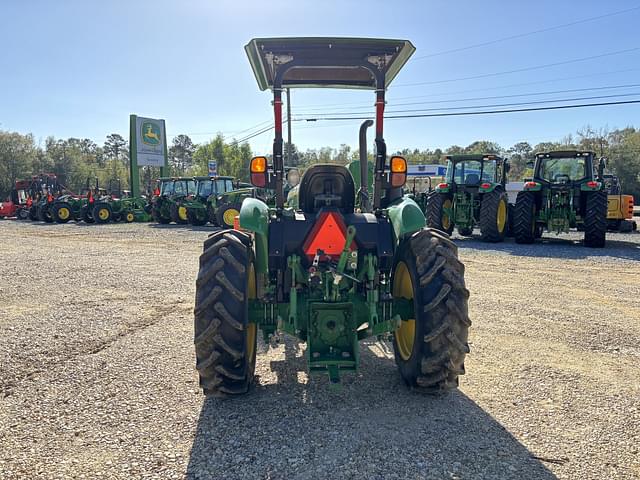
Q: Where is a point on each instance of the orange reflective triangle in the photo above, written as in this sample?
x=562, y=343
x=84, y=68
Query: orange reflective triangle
x=328, y=234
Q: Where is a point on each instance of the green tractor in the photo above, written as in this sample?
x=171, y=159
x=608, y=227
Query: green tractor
x=565, y=192
x=226, y=207
x=80, y=207
x=119, y=206
x=201, y=205
x=342, y=267
x=473, y=194
x=166, y=206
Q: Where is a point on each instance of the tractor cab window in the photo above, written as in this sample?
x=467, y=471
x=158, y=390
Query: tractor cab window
x=221, y=186
x=191, y=187
x=166, y=188
x=205, y=188
x=559, y=170
x=22, y=196
x=489, y=169
x=228, y=186
x=464, y=173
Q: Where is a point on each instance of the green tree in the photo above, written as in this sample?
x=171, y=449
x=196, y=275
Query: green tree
x=181, y=153
x=17, y=156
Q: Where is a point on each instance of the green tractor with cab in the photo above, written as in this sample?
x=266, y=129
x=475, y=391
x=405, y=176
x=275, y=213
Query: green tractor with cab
x=166, y=206
x=566, y=191
x=201, y=205
x=473, y=194
x=347, y=264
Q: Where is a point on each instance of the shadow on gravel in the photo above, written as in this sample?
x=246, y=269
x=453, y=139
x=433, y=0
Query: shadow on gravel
x=559, y=247
x=373, y=427
x=171, y=226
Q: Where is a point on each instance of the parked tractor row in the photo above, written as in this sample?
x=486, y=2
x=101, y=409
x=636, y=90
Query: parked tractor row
x=201, y=200
x=43, y=198
x=568, y=190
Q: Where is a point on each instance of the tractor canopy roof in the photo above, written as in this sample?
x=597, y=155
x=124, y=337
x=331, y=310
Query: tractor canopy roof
x=565, y=154
x=171, y=179
x=326, y=61
x=218, y=177
x=474, y=157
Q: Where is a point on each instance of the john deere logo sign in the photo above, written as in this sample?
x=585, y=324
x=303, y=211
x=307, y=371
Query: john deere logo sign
x=149, y=141
x=150, y=133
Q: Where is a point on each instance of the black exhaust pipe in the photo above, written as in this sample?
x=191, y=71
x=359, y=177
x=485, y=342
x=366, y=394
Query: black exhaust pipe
x=364, y=170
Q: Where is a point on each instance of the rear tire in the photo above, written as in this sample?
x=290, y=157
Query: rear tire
x=436, y=217
x=226, y=213
x=595, y=220
x=194, y=219
x=493, y=216
x=524, y=220
x=102, y=213
x=157, y=216
x=427, y=269
x=44, y=214
x=177, y=214
x=61, y=212
x=23, y=214
x=225, y=341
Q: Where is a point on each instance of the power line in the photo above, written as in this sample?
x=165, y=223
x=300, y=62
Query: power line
x=500, y=104
x=526, y=34
x=485, y=112
x=483, y=89
x=517, y=70
x=500, y=96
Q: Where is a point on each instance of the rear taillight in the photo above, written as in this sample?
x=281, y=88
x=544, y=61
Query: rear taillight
x=443, y=185
x=485, y=185
x=530, y=184
x=593, y=184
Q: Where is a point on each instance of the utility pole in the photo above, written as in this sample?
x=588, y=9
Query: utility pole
x=289, y=127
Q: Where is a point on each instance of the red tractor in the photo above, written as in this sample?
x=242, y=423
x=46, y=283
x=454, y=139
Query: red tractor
x=19, y=202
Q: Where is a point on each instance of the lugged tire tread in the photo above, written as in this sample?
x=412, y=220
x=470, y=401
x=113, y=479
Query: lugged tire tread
x=488, y=214
x=441, y=309
x=595, y=220
x=523, y=212
x=219, y=329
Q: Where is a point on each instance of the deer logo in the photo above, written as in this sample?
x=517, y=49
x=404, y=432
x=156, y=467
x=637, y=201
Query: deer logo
x=150, y=133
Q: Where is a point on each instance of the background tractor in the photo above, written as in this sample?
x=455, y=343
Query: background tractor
x=200, y=206
x=473, y=194
x=17, y=205
x=565, y=192
x=165, y=207
x=343, y=266
x=619, y=206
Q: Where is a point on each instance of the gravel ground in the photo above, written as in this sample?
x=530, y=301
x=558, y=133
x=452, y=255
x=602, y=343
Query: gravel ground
x=97, y=375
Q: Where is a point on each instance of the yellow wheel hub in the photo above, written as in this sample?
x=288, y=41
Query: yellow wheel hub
x=182, y=213
x=405, y=334
x=229, y=215
x=130, y=217
x=64, y=213
x=502, y=215
x=446, y=221
x=252, y=329
x=103, y=214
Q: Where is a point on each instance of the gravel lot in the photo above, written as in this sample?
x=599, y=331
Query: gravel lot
x=97, y=376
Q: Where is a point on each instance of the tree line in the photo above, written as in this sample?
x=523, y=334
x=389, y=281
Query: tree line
x=80, y=161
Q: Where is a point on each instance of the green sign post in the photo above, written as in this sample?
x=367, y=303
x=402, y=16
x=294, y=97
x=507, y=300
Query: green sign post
x=148, y=147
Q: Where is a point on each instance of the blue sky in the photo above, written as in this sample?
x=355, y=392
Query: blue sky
x=79, y=68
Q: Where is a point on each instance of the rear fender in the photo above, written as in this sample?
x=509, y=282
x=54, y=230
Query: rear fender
x=406, y=217
x=254, y=217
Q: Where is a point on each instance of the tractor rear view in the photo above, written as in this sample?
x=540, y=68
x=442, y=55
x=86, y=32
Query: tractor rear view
x=166, y=206
x=347, y=264
x=473, y=194
x=564, y=193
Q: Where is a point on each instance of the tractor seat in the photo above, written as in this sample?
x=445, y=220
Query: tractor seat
x=327, y=186
x=472, y=179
